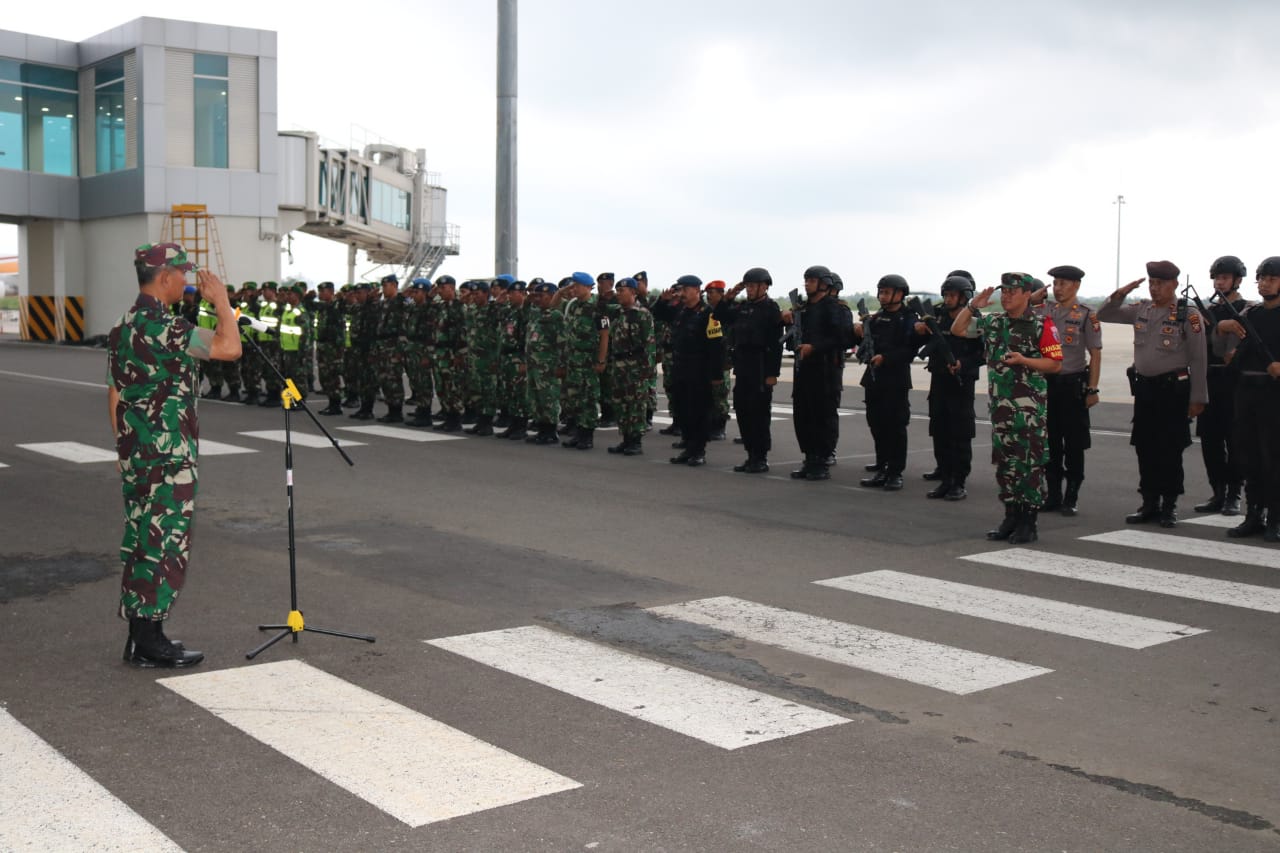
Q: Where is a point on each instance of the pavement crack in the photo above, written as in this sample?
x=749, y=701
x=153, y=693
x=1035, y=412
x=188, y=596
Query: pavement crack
x=631, y=627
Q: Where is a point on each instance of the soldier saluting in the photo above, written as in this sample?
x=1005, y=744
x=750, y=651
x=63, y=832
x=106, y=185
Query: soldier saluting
x=1168, y=384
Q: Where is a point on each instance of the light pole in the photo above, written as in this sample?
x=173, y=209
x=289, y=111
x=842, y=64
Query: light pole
x=1119, y=203
x=505, y=252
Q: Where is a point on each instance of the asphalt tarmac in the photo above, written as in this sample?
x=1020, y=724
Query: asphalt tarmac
x=1095, y=742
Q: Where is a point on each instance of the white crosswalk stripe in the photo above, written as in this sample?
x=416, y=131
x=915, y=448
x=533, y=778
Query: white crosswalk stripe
x=402, y=433
x=300, y=439
x=71, y=451
x=1230, y=593
x=918, y=661
x=217, y=448
x=410, y=766
x=1027, y=611
x=1189, y=547
x=1213, y=520
x=47, y=803
x=701, y=707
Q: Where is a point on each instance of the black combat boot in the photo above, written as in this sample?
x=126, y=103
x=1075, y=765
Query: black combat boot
x=519, y=429
x=876, y=466
x=394, y=415
x=940, y=490
x=1071, y=498
x=634, y=447
x=334, y=408
x=483, y=426
x=759, y=466
x=572, y=439
x=452, y=423
x=233, y=394
x=1251, y=525
x=1149, y=511
x=269, y=399
x=350, y=401
x=674, y=429
x=421, y=417
x=957, y=491
x=469, y=416
x=502, y=421
x=876, y=481
x=1272, y=531
x=1006, y=528
x=546, y=435
x=818, y=472
x=892, y=482
x=935, y=474
x=617, y=448
x=586, y=439
x=803, y=471
x=741, y=469
x=148, y=648
x=1214, y=504
x=250, y=398
x=1025, y=530
x=1169, y=511
x=569, y=427
x=214, y=393
x=717, y=430
x=1231, y=503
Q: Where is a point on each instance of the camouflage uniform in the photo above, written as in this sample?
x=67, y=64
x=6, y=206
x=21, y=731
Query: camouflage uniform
x=150, y=364
x=387, y=354
x=364, y=334
x=250, y=360
x=1019, y=443
x=417, y=354
x=580, y=346
x=633, y=351
x=448, y=332
x=269, y=342
x=543, y=342
x=513, y=324
x=482, y=359
x=331, y=335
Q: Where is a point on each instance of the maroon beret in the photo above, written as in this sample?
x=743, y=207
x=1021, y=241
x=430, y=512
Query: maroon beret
x=1167, y=270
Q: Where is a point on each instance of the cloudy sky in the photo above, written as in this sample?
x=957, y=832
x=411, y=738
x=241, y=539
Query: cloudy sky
x=709, y=136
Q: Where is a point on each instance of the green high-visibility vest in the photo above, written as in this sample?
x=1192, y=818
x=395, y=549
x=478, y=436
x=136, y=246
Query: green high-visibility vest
x=291, y=329
x=206, y=316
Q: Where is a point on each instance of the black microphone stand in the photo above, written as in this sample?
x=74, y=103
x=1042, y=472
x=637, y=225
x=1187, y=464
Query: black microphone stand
x=290, y=397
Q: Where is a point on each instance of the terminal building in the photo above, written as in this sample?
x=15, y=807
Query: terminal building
x=166, y=129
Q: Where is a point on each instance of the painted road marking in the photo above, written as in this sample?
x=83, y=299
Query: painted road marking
x=300, y=439
x=1230, y=593
x=705, y=708
x=1214, y=520
x=404, y=433
x=1188, y=547
x=918, y=661
x=1011, y=608
x=414, y=768
x=217, y=448
x=72, y=451
x=47, y=803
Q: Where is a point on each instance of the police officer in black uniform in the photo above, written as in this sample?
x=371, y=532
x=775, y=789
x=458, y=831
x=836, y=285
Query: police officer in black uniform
x=815, y=389
x=697, y=346
x=756, y=327
x=1257, y=402
x=1214, y=426
x=952, y=421
x=887, y=379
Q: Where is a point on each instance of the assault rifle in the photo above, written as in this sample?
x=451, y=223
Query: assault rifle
x=938, y=343
x=1252, y=332
x=867, y=346
x=794, y=337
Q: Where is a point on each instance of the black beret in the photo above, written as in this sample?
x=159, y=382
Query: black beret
x=688, y=281
x=445, y=279
x=757, y=275
x=325, y=285
x=517, y=286
x=604, y=276
x=1068, y=272
x=641, y=276
x=1163, y=269
x=390, y=279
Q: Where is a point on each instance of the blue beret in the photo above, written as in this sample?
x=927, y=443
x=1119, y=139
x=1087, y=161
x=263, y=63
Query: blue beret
x=446, y=279
x=583, y=278
x=467, y=285
x=190, y=288
x=517, y=286
x=422, y=282
x=482, y=286
x=505, y=278
x=688, y=281
x=626, y=282
x=390, y=279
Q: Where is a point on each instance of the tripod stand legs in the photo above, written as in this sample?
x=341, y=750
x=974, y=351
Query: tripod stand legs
x=296, y=626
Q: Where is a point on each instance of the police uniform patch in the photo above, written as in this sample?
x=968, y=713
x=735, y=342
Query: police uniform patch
x=1195, y=324
x=603, y=323
x=714, y=329
x=1097, y=326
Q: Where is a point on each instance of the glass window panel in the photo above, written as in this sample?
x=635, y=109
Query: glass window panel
x=50, y=131
x=111, y=70
x=11, y=127
x=108, y=123
x=11, y=70
x=211, y=123
x=44, y=75
x=213, y=66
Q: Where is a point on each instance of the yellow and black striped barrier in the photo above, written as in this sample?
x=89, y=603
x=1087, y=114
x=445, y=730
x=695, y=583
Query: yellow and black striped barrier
x=73, y=318
x=41, y=320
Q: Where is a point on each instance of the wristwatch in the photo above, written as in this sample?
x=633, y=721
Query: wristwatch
x=1089, y=392
x=974, y=311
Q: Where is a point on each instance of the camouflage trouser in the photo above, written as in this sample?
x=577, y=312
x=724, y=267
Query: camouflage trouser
x=1020, y=449
x=652, y=405
x=630, y=396
x=159, y=503
x=353, y=366
x=291, y=362
x=720, y=398
x=446, y=371
x=668, y=385
x=272, y=351
x=389, y=371
x=308, y=368
x=607, y=381
x=212, y=371
x=581, y=394
x=232, y=371
x=417, y=364
x=329, y=358
x=482, y=384
x=543, y=390
x=251, y=369
x=512, y=390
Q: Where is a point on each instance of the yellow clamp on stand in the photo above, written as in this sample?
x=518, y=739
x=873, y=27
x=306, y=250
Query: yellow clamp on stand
x=295, y=621
x=290, y=395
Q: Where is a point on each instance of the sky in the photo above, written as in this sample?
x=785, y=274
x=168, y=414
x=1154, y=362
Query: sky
x=711, y=136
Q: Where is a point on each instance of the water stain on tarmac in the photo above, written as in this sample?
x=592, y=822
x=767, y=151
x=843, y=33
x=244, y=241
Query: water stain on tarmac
x=32, y=575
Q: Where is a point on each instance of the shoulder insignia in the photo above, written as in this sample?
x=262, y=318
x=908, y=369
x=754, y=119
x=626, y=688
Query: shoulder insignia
x=1195, y=323
x=714, y=329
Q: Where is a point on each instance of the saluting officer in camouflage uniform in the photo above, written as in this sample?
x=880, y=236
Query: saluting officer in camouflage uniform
x=633, y=355
x=330, y=332
x=584, y=355
x=1073, y=391
x=542, y=346
x=448, y=361
x=417, y=351
x=151, y=393
x=1021, y=347
x=1170, y=360
x=513, y=393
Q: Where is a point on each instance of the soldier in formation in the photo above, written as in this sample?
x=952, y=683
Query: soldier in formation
x=1215, y=425
x=887, y=379
x=755, y=326
x=632, y=356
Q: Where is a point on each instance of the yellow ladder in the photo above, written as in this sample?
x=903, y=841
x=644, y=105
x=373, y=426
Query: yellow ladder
x=197, y=230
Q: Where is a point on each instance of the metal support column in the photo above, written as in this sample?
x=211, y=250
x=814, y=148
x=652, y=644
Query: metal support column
x=505, y=203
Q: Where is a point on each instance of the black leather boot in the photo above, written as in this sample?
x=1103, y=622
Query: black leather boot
x=421, y=417
x=1169, y=511
x=586, y=439
x=802, y=472
x=939, y=491
x=1071, y=498
x=394, y=415
x=483, y=426
x=546, y=435
x=933, y=476
x=634, y=447
x=1149, y=511
x=334, y=407
x=568, y=428
x=1214, y=504
x=1025, y=531
x=1006, y=527
x=1231, y=503
x=956, y=492
x=148, y=648
x=519, y=429
x=1251, y=525
x=876, y=481
x=1053, y=502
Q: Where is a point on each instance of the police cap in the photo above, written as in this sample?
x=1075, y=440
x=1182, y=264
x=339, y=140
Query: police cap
x=325, y=285
x=757, y=275
x=605, y=276
x=565, y=282
x=390, y=278
x=422, y=283
x=480, y=285
x=1229, y=265
x=1166, y=270
x=1066, y=271
x=641, y=276
x=517, y=286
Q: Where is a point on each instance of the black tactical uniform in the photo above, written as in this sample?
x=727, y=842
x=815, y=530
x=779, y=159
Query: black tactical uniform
x=756, y=329
x=952, y=421
x=887, y=386
x=698, y=360
x=815, y=388
x=1257, y=415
